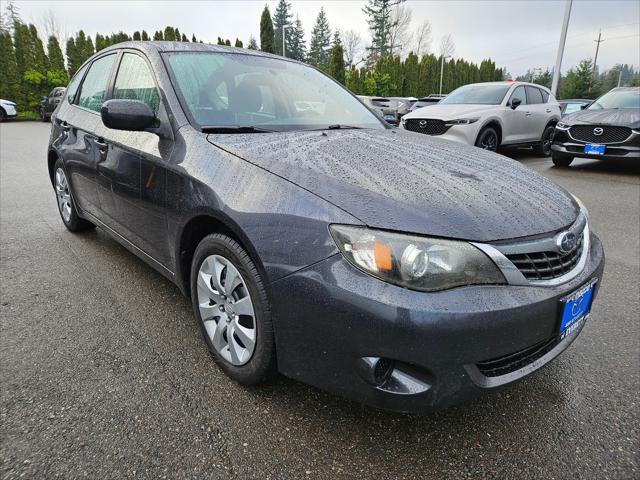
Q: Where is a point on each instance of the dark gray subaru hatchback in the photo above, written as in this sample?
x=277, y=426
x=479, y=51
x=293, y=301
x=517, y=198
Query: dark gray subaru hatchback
x=399, y=271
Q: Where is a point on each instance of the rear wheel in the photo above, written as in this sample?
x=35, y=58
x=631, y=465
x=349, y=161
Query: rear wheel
x=488, y=139
x=560, y=160
x=66, y=206
x=544, y=149
x=231, y=304
x=3, y=115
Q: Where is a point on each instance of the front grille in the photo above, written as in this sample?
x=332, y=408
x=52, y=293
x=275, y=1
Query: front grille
x=517, y=360
x=584, y=133
x=547, y=265
x=431, y=127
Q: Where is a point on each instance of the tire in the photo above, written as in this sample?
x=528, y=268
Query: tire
x=560, y=160
x=66, y=205
x=41, y=115
x=488, y=139
x=219, y=259
x=3, y=115
x=544, y=149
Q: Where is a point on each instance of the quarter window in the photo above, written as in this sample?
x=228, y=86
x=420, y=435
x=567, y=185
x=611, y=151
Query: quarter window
x=135, y=82
x=94, y=87
x=545, y=96
x=72, y=88
x=533, y=95
x=519, y=94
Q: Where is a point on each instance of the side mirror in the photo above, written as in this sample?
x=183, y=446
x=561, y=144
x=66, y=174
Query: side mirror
x=515, y=103
x=132, y=115
x=582, y=107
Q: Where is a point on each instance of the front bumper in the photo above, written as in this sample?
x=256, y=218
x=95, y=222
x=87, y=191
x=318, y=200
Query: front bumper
x=10, y=110
x=330, y=316
x=466, y=134
x=565, y=145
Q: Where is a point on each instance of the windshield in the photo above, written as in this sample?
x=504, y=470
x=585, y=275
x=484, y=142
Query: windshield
x=617, y=99
x=477, y=94
x=235, y=90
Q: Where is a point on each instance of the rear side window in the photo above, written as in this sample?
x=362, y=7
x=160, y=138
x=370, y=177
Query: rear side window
x=533, y=95
x=135, y=82
x=75, y=82
x=545, y=96
x=94, y=87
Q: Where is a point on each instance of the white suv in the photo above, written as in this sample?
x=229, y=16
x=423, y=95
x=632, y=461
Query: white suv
x=490, y=115
x=7, y=110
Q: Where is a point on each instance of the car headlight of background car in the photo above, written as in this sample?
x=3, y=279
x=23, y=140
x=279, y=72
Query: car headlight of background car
x=419, y=263
x=461, y=121
x=562, y=126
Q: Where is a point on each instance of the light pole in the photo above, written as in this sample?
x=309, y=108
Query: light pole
x=563, y=39
x=442, y=70
x=284, y=28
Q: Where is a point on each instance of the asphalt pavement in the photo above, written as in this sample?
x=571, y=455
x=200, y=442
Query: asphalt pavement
x=103, y=372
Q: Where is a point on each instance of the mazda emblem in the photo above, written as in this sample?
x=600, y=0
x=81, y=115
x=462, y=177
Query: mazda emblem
x=423, y=124
x=566, y=242
x=598, y=131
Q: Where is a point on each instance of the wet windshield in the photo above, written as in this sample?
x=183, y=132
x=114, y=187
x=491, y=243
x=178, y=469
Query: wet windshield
x=477, y=94
x=234, y=90
x=618, y=99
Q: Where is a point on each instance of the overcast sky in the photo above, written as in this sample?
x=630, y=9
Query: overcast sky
x=517, y=34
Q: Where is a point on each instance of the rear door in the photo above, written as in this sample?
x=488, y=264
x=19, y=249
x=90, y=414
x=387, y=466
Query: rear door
x=132, y=176
x=78, y=144
x=540, y=113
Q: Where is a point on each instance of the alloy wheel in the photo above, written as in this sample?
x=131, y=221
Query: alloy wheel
x=226, y=310
x=489, y=141
x=546, y=142
x=63, y=195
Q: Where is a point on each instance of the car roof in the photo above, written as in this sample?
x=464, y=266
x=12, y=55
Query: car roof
x=575, y=100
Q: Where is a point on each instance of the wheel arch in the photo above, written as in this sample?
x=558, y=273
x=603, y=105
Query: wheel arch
x=52, y=158
x=191, y=232
x=496, y=125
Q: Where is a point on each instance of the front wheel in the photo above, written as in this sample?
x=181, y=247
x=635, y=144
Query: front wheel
x=41, y=115
x=3, y=115
x=488, y=139
x=560, y=160
x=231, y=304
x=544, y=149
x=66, y=206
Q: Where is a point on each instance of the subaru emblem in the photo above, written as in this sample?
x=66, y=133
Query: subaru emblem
x=598, y=131
x=566, y=242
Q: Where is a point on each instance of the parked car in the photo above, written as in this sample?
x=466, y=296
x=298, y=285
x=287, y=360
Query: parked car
x=7, y=110
x=402, y=105
x=572, y=105
x=491, y=115
x=427, y=101
x=609, y=128
x=49, y=103
x=400, y=271
x=382, y=107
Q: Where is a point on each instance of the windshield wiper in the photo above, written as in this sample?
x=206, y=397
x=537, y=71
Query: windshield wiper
x=337, y=126
x=234, y=129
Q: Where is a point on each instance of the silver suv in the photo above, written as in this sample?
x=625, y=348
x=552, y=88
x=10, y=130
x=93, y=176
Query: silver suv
x=490, y=115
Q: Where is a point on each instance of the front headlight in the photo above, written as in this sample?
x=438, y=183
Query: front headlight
x=419, y=263
x=461, y=121
x=582, y=206
x=562, y=126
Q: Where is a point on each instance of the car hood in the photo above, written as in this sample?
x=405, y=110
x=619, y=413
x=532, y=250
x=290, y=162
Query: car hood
x=628, y=117
x=450, y=112
x=403, y=181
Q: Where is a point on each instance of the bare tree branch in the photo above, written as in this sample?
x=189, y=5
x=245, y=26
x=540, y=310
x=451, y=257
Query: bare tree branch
x=353, y=50
x=422, y=39
x=400, y=35
x=447, y=46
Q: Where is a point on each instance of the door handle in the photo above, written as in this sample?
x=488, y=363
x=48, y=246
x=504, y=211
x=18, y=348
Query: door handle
x=64, y=126
x=102, y=145
x=528, y=114
x=548, y=110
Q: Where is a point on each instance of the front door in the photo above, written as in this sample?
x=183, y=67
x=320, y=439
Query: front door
x=517, y=123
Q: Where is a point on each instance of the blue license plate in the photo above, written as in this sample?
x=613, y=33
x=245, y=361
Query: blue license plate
x=593, y=149
x=576, y=309
x=388, y=117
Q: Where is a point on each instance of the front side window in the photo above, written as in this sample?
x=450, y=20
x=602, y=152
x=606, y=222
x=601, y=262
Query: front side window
x=618, y=99
x=477, y=94
x=134, y=81
x=234, y=90
x=72, y=88
x=519, y=94
x=94, y=87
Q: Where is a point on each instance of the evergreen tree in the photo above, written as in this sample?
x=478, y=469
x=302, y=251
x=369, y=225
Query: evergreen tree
x=158, y=35
x=10, y=85
x=239, y=43
x=381, y=23
x=145, y=36
x=184, y=38
x=282, y=18
x=193, y=38
x=41, y=62
x=177, y=34
x=253, y=45
x=266, y=32
x=320, y=41
x=227, y=42
x=72, y=57
x=577, y=83
x=169, y=34
x=56, y=60
x=297, y=48
x=220, y=41
x=336, y=63
x=101, y=42
x=136, y=36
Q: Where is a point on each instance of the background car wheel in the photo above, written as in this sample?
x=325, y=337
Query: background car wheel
x=560, y=160
x=41, y=115
x=66, y=207
x=544, y=149
x=488, y=139
x=3, y=115
x=231, y=304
